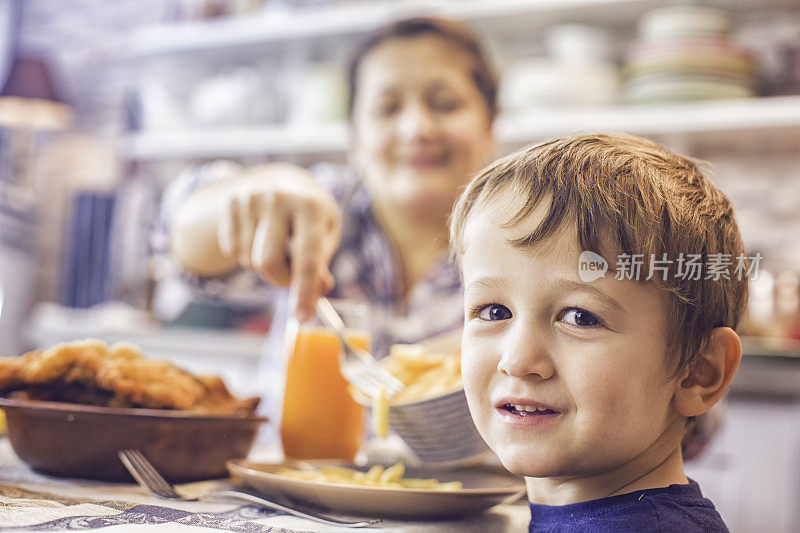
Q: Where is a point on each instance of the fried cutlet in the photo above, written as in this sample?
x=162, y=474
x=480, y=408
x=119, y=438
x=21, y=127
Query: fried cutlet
x=89, y=372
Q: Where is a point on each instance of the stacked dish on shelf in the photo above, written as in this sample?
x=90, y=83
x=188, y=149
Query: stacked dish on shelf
x=685, y=53
x=578, y=69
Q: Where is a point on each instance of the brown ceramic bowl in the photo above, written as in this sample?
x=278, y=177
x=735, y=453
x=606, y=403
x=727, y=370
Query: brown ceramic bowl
x=65, y=439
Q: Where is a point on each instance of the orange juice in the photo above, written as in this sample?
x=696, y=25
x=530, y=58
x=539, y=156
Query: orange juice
x=320, y=418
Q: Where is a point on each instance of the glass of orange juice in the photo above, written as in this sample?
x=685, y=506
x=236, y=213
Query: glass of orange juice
x=320, y=418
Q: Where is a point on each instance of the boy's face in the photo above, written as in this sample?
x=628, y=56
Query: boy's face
x=590, y=356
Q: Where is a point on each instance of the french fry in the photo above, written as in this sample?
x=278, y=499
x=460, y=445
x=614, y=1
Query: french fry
x=393, y=473
x=415, y=483
x=425, y=374
x=376, y=476
x=374, y=473
x=380, y=414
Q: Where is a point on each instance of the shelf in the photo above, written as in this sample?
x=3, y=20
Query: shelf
x=271, y=27
x=774, y=376
x=111, y=322
x=772, y=347
x=523, y=17
x=166, y=342
x=236, y=142
x=710, y=118
x=774, y=117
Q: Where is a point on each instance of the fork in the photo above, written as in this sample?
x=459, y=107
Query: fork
x=148, y=477
x=358, y=366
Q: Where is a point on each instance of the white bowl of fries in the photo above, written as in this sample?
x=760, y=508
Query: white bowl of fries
x=431, y=413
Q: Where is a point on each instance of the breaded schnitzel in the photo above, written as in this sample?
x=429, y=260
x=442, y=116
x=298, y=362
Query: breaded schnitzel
x=90, y=372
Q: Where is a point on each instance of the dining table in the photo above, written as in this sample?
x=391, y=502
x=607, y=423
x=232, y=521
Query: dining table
x=32, y=501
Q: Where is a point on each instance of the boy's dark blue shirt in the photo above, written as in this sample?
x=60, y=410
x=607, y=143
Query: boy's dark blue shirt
x=679, y=508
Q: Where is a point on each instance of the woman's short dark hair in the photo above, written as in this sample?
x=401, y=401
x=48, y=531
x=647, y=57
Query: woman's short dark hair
x=455, y=33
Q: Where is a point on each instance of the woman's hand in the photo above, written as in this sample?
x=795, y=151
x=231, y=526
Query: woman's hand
x=274, y=219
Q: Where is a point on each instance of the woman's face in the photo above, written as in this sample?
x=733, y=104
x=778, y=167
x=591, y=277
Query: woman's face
x=421, y=126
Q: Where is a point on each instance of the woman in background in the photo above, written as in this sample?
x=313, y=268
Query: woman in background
x=421, y=106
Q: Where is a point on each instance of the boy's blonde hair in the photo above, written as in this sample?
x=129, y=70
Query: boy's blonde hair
x=627, y=195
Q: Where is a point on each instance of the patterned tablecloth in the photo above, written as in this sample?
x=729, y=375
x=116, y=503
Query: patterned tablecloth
x=30, y=501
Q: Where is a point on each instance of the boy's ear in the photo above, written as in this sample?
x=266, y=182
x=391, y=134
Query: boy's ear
x=697, y=389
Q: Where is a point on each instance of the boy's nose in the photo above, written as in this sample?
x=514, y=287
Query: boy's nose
x=526, y=352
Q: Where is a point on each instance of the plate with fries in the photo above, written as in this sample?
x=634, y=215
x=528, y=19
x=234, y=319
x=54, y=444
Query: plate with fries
x=379, y=491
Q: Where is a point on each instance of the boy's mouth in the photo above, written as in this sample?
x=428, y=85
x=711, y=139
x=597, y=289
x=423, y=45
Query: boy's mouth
x=527, y=410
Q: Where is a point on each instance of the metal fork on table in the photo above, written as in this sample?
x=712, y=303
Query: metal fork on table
x=358, y=366
x=148, y=477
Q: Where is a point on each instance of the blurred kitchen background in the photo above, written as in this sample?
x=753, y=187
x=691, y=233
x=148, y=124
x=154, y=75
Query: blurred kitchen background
x=103, y=103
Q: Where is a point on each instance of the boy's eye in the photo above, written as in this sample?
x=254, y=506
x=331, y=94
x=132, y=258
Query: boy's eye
x=580, y=317
x=493, y=312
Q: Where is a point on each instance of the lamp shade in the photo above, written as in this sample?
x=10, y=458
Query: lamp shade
x=29, y=98
x=30, y=78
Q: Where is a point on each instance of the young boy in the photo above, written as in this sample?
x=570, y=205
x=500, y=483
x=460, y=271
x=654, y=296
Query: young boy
x=580, y=378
